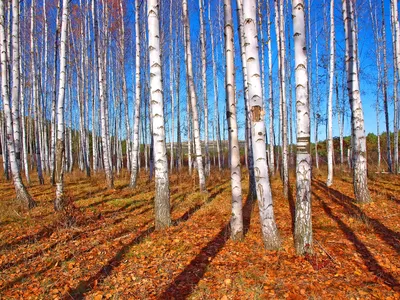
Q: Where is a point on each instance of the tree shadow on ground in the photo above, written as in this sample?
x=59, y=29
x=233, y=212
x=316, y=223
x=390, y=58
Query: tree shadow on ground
x=392, y=238
x=86, y=286
x=368, y=258
x=184, y=284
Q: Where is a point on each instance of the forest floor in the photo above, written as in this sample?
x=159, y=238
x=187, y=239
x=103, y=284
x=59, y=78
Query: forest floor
x=113, y=252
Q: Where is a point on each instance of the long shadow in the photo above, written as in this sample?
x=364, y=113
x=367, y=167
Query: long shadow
x=86, y=286
x=37, y=253
x=187, y=280
x=292, y=207
x=391, y=237
x=105, y=271
x=369, y=260
x=30, y=239
x=247, y=213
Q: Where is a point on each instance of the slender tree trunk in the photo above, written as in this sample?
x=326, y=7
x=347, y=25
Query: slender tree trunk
x=15, y=87
x=59, y=203
x=100, y=58
x=35, y=95
x=23, y=126
x=384, y=87
x=269, y=230
x=250, y=158
x=396, y=61
x=270, y=95
x=216, y=114
x=285, y=150
x=357, y=117
x=162, y=204
x=303, y=223
x=204, y=82
x=22, y=193
x=237, y=216
x=331, y=79
x=193, y=98
x=135, y=150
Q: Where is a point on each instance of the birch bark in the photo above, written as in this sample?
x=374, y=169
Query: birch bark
x=359, y=149
x=59, y=203
x=22, y=193
x=162, y=202
x=193, y=98
x=303, y=223
x=269, y=229
x=237, y=216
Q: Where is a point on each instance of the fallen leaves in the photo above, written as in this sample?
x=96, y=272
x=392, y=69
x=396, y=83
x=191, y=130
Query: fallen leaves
x=113, y=251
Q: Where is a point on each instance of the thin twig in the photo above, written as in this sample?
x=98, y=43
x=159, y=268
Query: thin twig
x=326, y=252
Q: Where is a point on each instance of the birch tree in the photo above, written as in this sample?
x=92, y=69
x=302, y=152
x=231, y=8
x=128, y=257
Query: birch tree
x=135, y=148
x=204, y=82
x=237, y=216
x=303, y=224
x=385, y=88
x=331, y=78
x=59, y=203
x=396, y=61
x=359, y=147
x=162, y=204
x=270, y=233
x=100, y=58
x=15, y=92
x=21, y=192
x=193, y=98
x=250, y=160
x=35, y=95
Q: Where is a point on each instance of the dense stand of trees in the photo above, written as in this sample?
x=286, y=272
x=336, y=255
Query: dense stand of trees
x=108, y=85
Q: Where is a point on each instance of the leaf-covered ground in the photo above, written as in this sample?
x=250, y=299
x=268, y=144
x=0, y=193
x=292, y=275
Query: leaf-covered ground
x=113, y=252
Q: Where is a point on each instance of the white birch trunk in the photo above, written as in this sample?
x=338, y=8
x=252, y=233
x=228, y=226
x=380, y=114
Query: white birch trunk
x=303, y=223
x=193, y=98
x=359, y=148
x=204, y=82
x=330, y=97
x=269, y=229
x=396, y=59
x=23, y=126
x=59, y=203
x=384, y=86
x=171, y=86
x=21, y=192
x=249, y=152
x=285, y=152
x=125, y=89
x=35, y=95
x=270, y=95
x=237, y=215
x=15, y=92
x=100, y=57
x=162, y=202
x=135, y=148
x=216, y=114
